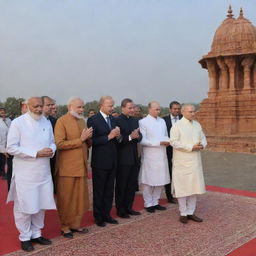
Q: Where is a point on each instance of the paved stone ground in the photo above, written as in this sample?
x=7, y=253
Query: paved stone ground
x=230, y=170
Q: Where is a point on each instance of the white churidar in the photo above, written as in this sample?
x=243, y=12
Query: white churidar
x=154, y=165
x=187, y=205
x=31, y=180
x=151, y=195
x=187, y=171
x=28, y=225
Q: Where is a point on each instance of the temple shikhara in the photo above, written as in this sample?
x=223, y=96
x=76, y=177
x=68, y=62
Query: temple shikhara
x=228, y=115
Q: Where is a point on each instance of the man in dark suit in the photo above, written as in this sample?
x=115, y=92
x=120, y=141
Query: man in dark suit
x=104, y=160
x=128, y=160
x=172, y=118
x=48, y=104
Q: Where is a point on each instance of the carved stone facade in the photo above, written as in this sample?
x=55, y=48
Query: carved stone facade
x=228, y=115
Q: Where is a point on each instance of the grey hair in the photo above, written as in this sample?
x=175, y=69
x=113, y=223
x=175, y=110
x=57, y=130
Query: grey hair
x=103, y=98
x=72, y=99
x=184, y=106
x=33, y=97
x=152, y=103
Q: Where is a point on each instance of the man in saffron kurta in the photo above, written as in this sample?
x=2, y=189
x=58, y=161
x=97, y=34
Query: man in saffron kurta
x=187, y=140
x=72, y=140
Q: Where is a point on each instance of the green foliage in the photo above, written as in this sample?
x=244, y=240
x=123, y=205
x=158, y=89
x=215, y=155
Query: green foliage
x=12, y=106
x=62, y=110
x=91, y=105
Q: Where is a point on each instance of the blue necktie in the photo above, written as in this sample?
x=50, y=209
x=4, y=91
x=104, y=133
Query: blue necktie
x=109, y=123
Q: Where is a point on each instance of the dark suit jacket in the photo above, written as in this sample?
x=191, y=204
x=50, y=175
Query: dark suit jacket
x=104, y=151
x=53, y=121
x=127, y=150
x=168, y=122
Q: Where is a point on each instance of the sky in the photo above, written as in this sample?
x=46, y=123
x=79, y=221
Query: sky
x=142, y=49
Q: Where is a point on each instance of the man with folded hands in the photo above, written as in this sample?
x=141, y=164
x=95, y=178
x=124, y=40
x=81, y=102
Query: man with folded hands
x=187, y=139
x=30, y=140
x=154, y=172
x=72, y=139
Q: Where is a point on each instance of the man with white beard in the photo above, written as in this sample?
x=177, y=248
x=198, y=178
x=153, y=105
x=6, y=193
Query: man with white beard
x=30, y=140
x=73, y=140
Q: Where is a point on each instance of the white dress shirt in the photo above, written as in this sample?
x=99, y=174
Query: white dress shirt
x=174, y=119
x=4, y=127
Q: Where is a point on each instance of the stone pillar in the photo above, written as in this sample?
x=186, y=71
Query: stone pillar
x=212, y=73
x=223, y=82
x=247, y=63
x=231, y=63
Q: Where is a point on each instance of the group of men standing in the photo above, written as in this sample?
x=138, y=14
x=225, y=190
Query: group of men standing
x=116, y=163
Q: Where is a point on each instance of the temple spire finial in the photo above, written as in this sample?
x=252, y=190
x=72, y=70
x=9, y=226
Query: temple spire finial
x=241, y=14
x=230, y=12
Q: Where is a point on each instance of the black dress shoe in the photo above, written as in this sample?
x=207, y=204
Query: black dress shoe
x=184, y=219
x=82, y=230
x=172, y=201
x=27, y=246
x=100, y=223
x=150, y=209
x=110, y=220
x=159, y=207
x=67, y=234
x=132, y=212
x=41, y=240
x=123, y=215
x=195, y=218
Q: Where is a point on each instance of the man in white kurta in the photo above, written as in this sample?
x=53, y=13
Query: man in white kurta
x=187, y=140
x=5, y=123
x=154, y=172
x=30, y=140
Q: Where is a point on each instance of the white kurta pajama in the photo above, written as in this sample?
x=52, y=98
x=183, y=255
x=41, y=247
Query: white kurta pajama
x=31, y=186
x=154, y=172
x=187, y=172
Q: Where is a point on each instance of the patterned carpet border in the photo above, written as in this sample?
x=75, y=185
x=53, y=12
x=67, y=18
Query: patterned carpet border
x=229, y=222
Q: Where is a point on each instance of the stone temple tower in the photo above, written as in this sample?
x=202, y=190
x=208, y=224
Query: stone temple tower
x=228, y=115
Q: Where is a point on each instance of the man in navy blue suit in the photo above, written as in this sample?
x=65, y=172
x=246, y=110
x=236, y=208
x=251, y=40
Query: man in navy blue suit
x=128, y=160
x=104, y=160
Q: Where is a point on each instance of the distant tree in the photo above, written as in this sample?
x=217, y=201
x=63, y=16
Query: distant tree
x=91, y=105
x=12, y=106
x=62, y=110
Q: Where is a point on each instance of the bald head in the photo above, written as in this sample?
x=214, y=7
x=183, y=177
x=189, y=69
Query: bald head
x=76, y=107
x=154, y=108
x=188, y=111
x=35, y=107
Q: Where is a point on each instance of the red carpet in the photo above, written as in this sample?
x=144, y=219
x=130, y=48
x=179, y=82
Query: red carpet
x=9, y=235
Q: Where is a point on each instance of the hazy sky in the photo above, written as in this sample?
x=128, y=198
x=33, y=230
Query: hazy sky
x=142, y=49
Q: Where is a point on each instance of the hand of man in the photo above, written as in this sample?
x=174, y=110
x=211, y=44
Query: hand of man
x=197, y=147
x=118, y=132
x=86, y=134
x=6, y=155
x=114, y=133
x=165, y=143
x=45, y=152
x=135, y=134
